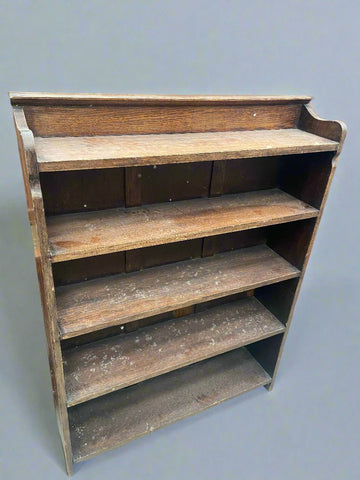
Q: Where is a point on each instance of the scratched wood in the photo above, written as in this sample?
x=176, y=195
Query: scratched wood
x=118, y=299
x=245, y=144
x=116, y=419
x=69, y=153
x=93, y=233
x=117, y=362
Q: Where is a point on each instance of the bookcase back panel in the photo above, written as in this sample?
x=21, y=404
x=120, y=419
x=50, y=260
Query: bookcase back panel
x=91, y=120
x=303, y=176
x=167, y=183
x=290, y=240
x=82, y=191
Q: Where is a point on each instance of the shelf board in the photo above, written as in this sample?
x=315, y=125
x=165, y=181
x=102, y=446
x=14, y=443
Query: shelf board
x=113, y=420
x=86, y=234
x=119, y=299
x=78, y=153
x=101, y=367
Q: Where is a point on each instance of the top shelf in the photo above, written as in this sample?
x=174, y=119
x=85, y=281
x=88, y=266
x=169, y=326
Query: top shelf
x=79, y=153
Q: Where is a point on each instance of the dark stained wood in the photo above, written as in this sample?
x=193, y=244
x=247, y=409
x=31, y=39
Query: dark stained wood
x=116, y=419
x=278, y=298
x=87, y=268
x=266, y=352
x=305, y=176
x=171, y=183
x=291, y=240
x=161, y=254
x=133, y=192
x=336, y=131
x=221, y=145
x=94, y=233
x=78, y=153
x=242, y=175
x=82, y=191
x=200, y=307
x=162, y=317
x=36, y=214
x=233, y=241
x=117, y=362
x=108, y=301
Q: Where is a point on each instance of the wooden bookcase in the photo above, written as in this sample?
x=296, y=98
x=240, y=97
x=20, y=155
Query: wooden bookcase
x=171, y=235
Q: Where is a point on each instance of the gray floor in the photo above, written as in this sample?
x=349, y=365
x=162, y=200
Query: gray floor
x=308, y=427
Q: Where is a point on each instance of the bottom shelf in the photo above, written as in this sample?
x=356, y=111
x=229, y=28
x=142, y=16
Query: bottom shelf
x=117, y=418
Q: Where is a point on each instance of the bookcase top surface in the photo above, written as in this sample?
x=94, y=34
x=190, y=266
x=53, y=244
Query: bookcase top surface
x=45, y=98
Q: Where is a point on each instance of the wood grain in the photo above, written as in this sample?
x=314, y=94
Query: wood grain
x=116, y=419
x=36, y=214
x=78, y=121
x=76, y=153
x=336, y=131
x=117, y=362
x=74, y=133
x=119, y=299
x=94, y=233
x=47, y=98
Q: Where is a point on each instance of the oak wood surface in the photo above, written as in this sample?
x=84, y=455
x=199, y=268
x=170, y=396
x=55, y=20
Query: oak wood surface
x=115, y=419
x=106, y=231
x=105, y=131
x=68, y=153
x=335, y=130
x=47, y=98
x=117, y=362
x=80, y=121
x=100, y=303
x=36, y=214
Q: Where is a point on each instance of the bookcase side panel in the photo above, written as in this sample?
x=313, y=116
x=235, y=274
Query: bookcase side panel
x=47, y=292
x=336, y=131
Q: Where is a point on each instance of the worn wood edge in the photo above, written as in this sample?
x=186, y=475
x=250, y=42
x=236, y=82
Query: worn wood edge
x=280, y=328
x=90, y=99
x=335, y=130
x=265, y=381
x=66, y=333
x=311, y=122
x=64, y=256
x=82, y=164
x=26, y=145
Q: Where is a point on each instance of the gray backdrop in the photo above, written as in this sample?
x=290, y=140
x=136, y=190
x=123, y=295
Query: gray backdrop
x=308, y=427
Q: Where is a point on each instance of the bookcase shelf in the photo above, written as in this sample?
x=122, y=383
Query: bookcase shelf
x=116, y=419
x=171, y=235
x=68, y=153
x=85, y=234
x=115, y=300
x=96, y=368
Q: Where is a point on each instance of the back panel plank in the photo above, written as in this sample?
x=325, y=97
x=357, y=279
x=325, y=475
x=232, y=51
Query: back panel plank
x=108, y=301
x=82, y=191
x=93, y=233
x=80, y=121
